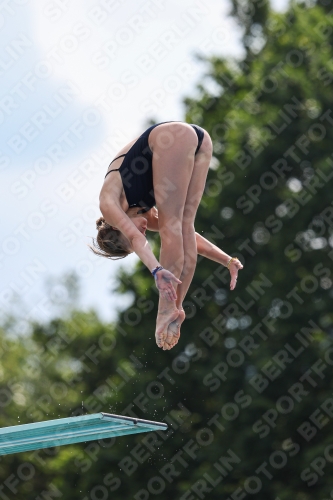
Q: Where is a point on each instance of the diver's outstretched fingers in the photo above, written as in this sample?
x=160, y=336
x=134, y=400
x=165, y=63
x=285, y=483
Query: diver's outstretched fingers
x=234, y=266
x=163, y=281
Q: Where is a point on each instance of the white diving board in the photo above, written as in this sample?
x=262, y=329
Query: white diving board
x=71, y=430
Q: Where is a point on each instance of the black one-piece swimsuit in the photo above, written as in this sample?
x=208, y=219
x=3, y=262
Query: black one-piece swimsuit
x=136, y=170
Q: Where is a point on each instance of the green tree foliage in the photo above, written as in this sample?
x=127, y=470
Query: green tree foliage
x=252, y=17
x=247, y=392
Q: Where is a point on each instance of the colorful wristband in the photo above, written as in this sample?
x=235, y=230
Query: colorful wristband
x=155, y=270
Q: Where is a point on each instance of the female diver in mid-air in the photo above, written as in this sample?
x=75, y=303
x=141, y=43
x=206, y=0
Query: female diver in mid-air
x=166, y=166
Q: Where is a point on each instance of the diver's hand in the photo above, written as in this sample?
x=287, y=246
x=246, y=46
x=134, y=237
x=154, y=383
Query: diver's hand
x=164, y=280
x=234, y=266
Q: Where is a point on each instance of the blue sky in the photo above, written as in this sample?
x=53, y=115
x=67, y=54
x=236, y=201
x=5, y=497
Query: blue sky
x=79, y=79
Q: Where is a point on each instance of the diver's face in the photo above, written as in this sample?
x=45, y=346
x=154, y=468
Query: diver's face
x=139, y=220
x=140, y=223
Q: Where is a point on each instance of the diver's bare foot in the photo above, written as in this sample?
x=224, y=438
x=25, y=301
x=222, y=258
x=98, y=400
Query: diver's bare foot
x=173, y=332
x=165, y=316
